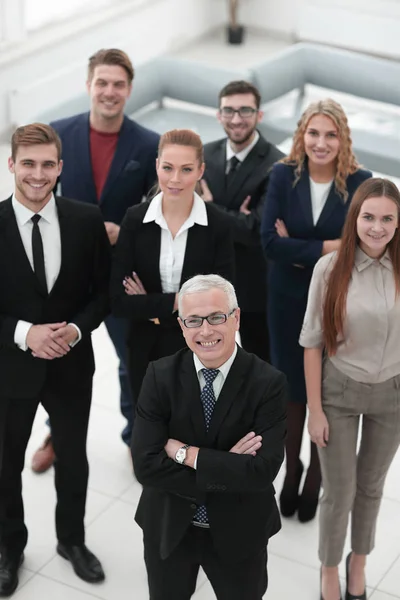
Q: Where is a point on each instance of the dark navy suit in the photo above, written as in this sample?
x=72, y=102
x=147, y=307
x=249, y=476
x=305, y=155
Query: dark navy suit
x=132, y=174
x=292, y=259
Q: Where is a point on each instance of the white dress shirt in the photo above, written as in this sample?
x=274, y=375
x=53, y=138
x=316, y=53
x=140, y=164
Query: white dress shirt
x=218, y=381
x=50, y=231
x=319, y=195
x=172, y=252
x=242, y=154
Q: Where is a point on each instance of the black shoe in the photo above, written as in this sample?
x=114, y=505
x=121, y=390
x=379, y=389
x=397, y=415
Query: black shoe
x=84, y=563
x=289, y=498
x=307, y=508
x=348, y=595
x=9, y=574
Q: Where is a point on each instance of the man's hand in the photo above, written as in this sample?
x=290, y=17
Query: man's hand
x=244, y=208
x=69, y=334
x=249, y=444
x=40, y=340
x=172, y=447
x=205, y=191
x=112, y=232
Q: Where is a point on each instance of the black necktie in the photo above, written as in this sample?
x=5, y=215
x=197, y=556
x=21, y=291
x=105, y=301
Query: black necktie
x=37, y=251
x=234, y=164
x=207, y=397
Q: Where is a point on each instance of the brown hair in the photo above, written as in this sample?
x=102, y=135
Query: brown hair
x=334, y=310
x=32, y=135
x=113, y=56
x=182, y=137
x=346, y=161
x=240, y=87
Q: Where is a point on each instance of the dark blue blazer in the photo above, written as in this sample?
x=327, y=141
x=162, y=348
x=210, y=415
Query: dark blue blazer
x=132, y=173
x=304, y=246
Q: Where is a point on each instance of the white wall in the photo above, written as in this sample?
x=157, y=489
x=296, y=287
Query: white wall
x=367, y=25
x=154, y=28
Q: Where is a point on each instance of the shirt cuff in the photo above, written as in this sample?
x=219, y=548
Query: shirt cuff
x=72, y=344
x=195, y=460
x=21, y=331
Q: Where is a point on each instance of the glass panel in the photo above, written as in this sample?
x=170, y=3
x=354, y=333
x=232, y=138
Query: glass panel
x=42, y=12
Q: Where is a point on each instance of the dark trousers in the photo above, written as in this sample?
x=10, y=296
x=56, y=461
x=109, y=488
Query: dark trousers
x=117, y=330
x=69, y=414
x=254, y=334
x=176, y=576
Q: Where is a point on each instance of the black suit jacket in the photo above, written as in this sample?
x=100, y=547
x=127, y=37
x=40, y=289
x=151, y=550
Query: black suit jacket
x=132, y=173
x=251, y=179
x=79, y=295
x=209, y=249
x=237, y=489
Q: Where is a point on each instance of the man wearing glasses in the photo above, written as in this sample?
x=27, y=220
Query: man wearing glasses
x=236, y=178
x=208, y=443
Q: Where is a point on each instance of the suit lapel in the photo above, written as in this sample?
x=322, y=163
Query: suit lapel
x=229, y=393
x=191, y=390
x=331, y=202
x=150, y=243
x=67, y=242
x=304, y=197
x=16, y=247
x=215, y=173
x=254, y=160
x=195, y=252
x=122, y=153
x=82, y=158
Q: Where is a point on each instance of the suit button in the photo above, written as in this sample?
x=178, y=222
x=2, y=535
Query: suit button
x=194, y=506
x=223, y=487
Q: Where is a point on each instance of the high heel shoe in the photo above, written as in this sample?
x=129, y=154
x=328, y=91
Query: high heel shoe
x=348, y=595
x=307, y=507
x=289, y=498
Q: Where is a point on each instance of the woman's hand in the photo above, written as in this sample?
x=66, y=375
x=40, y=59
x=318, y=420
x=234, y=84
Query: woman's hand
x=318, y=428
x=133, y=286
x=281, y=228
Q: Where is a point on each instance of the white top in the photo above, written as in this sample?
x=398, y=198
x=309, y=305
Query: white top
x=218, y=381
x=319, y=195
x=50, y=231
x=242, y=154
x=172, y=252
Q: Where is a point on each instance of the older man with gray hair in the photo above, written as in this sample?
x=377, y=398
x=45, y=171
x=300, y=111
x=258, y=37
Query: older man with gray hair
x=208, y=443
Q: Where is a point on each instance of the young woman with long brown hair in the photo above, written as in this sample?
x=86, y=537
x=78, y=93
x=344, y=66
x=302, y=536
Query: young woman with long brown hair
x=161, y=244
x=307, y=200
x=353, y=319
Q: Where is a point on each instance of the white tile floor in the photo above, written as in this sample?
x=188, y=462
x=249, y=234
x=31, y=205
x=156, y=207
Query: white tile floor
x=113, y=493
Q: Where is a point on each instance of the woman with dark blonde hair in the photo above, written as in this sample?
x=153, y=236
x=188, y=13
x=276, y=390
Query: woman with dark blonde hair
x=306, y=204
x=353, y=318
x=161, y=244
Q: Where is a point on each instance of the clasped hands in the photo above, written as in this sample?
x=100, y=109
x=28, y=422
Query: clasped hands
x=249, y=444
x=51, y=340
x=208, y=197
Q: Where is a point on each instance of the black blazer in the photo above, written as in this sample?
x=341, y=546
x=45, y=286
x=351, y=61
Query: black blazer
x=251, y=179
x=79, y=295
x=237, y=489
x=208, y=250
x=132, y=172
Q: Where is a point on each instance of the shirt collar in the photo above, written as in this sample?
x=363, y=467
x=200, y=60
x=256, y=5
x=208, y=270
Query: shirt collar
x=24, y=214
x=243, y=153
x=363, y=261
x=223, y=369
x=197, y=215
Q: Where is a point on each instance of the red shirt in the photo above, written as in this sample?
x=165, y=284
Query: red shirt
x=102, y=150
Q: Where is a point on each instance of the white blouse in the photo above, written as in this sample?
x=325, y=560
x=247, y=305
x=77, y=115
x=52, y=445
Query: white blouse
x=319, y=196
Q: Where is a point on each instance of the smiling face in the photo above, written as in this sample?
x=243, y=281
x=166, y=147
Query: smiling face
x=376, y=225
x=178, y=172
x=35, y=170
x=109, y=90
x=213, y=344
x=321, y=141
x=240, y=130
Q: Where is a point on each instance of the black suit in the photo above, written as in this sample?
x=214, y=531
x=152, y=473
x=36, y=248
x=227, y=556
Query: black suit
x=251, y=179
x=237, y=489
x=209, y=249
x=62, y=385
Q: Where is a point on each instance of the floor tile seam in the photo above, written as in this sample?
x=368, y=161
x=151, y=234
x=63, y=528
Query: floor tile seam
x=387, y=573
x=67, y=585
x=111, y=503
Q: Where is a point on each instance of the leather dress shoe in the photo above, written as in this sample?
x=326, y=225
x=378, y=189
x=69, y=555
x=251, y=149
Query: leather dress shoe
x=84, y=563
x=307, y=508
x=348, y=595
x=9, y=574
x=44, y=457
x=289, y=498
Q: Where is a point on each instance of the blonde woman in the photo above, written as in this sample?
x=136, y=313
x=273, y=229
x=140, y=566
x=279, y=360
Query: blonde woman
x=306, y=205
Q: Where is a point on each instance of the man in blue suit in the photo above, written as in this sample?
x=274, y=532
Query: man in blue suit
x=109, y=161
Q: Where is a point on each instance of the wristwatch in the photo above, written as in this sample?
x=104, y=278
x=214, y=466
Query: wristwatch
x=180, y=456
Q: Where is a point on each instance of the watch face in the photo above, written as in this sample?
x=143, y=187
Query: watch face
x=180, y=455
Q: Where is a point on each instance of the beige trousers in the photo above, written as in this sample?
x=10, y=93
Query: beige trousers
x=354, y=483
